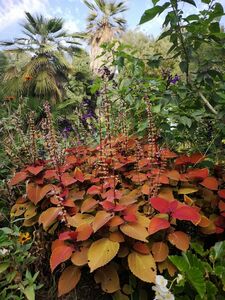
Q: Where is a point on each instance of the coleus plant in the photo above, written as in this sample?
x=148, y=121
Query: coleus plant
x=116, y=207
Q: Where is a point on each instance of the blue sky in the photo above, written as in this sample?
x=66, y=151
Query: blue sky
x=74, y=13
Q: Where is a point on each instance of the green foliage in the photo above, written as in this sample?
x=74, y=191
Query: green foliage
x=197, y=265
x=16, y=281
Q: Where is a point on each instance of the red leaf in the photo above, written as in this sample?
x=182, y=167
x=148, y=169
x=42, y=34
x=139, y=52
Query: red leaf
x=141, y=248
x=198, y=173
x=94, y=190
x=67, y=179
x=20, y=176
x=79, y=175
x=187, y=213
x=166, y=153
x=210, y=183
x=68, y=235
x=51, y=174
x=221, y=193
x=182, y=160
x=59, y=255
x=130, y=218
x=107, y=205
x=196, y=158
x=157, y=224
x=162, y=205
x=35, y=170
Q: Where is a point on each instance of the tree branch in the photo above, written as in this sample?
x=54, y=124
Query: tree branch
x=207, y=103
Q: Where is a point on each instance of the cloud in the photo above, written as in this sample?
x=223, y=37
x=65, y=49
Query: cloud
x=12, y=11
x=71, y=26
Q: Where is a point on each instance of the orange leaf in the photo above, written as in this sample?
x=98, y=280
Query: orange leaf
x=57, y=243
x=210, y=183
x=142, y=266
x=84, y=232
x=116, y=236
x=196, y=158
x=68, y=280
x=78, y=175
x=157, y=224
x=35, y=170
x=141, y=247
x=49, y=216
x=80, y=257
x=59, y=255
x=167, y=265
x=160, y=251
x=20, y=176
x=145, y=189
x=173, y=174
x=108, y=278
x=205, y=222
x=100, y=219
x=179, y=239
x=36, y=193
x=115, y=221
x=135, y=231
x=67, y=179
x=88, y=204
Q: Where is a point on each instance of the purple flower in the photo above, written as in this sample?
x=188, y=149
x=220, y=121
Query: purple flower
x=174, y=79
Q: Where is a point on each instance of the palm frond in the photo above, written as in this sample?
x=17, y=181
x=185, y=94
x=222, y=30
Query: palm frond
x=54, y=25
x=89, y=5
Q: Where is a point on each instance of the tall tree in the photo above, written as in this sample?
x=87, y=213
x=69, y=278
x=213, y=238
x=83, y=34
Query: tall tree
x=104, y=23
x=45, y=70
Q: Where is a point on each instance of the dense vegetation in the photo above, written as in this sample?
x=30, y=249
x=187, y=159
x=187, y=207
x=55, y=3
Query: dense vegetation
x=112, y=162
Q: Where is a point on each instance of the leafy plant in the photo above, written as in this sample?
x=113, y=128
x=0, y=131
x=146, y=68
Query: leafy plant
x=16, y=281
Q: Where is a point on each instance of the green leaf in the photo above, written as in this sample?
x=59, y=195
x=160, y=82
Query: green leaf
x=211, y=290
x=4, y=266
x=217, y=251
x=194, y=261
x=180, y=262
x=206, y=1
x=150, y=14
x=183, y=66
x=198, y=248
x=29, y=292
x=197, y=280
x=186, y=121
x=192, y=2
x=214, y=27
x=155, y=2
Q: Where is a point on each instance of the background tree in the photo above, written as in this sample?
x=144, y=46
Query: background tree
x=104, y=23
x=45, y=70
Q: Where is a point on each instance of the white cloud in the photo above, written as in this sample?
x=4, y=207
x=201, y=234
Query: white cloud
x=12, y=11
x=71, y=26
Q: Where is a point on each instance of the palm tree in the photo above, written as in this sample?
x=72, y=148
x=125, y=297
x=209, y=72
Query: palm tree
x=103, y=26
x=45, y=70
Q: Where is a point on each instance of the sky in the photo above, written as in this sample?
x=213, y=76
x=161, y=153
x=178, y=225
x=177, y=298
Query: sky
x=74, y=12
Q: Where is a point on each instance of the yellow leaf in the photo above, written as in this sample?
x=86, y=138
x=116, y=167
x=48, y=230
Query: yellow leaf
x=80, y=219
x=187, y=190
x=135, y=231
x=142, y=266
x=68, y=280
x=108, y=278
x=101, y=252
